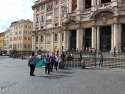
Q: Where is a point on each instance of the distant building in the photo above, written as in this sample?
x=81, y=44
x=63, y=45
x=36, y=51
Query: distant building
x=98, y=24
x=19, y=36
x=1, y=41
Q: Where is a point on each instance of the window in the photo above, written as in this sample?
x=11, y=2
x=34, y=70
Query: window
x=28, y=38
x=25, y=38
x=56, y=24
x=62, y=13
x=29, y=32
x=37, y=19
x=42, y=18
x=62, y=36
x=56, y=14
x=41, y=38
x=28, y=45
x=55, y=39
x=30, y=27
x=36, y=38
x=24, y=45
x=25, y=26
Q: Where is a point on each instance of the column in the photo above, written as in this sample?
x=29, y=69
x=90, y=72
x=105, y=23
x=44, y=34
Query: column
x=34, y=22
x=83, y=37
x=44, y=42
x=93, y=2
x=70, y=6
x=112, y=38
x=119, y=36
x=98, y=2
x=79, y=40
x=68, y=39
x=115, y=36
x=39, y=42
x=33, y=43
x=59, y=12
x=98, y=38
x=93, y=37
x=53, y=14
x=65, y=39
x=59, y=41
x=80, y=4
x=52, y=41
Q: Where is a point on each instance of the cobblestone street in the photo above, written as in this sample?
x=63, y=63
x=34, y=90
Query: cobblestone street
x=15, y=79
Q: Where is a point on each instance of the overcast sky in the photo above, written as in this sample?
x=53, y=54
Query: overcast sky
x=13, y=10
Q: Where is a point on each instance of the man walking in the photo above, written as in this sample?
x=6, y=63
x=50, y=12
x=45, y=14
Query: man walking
x=114, y=55
x=47, y=66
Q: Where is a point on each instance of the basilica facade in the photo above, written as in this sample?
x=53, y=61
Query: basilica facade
x=98, y=24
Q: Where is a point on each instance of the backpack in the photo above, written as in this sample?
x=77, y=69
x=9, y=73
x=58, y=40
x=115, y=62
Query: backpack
x=53, y=60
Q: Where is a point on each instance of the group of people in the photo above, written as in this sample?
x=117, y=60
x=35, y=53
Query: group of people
x=50, y=62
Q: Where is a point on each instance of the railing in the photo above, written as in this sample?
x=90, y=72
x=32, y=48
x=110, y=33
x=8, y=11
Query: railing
x=92, y=59
x=104, y=5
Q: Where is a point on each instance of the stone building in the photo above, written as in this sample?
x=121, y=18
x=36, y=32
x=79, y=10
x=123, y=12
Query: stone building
x=98, y=24
x=18, y=36
x=1, y=40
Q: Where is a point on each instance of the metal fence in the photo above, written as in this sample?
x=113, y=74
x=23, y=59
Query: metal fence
x=93, y=59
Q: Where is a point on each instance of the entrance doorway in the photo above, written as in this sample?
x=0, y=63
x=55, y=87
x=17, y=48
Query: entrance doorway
x=123, y=37
x=105, y=39
x=87, y=4
x=73, y=40
x=105, y=1
x=88, y=37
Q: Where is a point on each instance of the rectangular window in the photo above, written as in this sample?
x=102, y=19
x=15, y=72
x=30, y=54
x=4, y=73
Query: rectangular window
x=42, y=18
x=25, y=38
x=37, y=19
x=62, y=36
x=55, y=39
x=56, y=14
x=25, y=26
x=36, y=38
x=24, y=45
x=28, y=38
x=62, y=13
x=41, y=38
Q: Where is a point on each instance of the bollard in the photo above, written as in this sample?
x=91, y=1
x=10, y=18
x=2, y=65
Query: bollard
x=83, y=64
x=61, y=65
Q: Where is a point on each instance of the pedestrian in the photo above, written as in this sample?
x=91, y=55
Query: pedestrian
x=62, y=56
x=31, y=64
x=47, y=66
x=39, y=56
x=52, y=61
x=101, y=60
x=124, y=49
x=114, y=55
x=66, y=50
x=57, y=60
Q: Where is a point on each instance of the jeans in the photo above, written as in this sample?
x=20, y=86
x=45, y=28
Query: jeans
x=32, y=69
x=47, y=67
x=101, y=62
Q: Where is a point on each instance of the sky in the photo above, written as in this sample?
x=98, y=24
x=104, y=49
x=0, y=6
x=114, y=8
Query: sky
x=14, y=10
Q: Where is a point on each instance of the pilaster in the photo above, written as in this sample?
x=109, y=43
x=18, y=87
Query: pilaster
x=98, y=38
x=79, y=39
x=93, y=37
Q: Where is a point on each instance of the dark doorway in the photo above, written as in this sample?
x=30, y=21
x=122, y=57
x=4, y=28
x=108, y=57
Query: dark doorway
x=123, y=37
x=87, y=4
x=88, y=38
x=105, y=1
x=105, y=43
x=73, y=40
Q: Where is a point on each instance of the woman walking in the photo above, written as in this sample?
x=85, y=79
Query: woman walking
x=101, y=60
x=31, y=64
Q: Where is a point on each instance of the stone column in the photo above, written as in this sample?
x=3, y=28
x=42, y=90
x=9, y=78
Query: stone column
x=68, y=39
x=98, y=38
x=83, y=37
x=112, y=38
x=34, y=22
x=33, y=43
x=39, y=42
x=53, y=15
x=70, y=6
x=119, y=37
x=93, y=2
x=65, y=39
x=116, y=36
x=80, y=4
x=79, y=40
x=52, y=40
x=59, y=41
x=93, y=37
x=98, y=2
x=59, y=12
x=44, y=42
